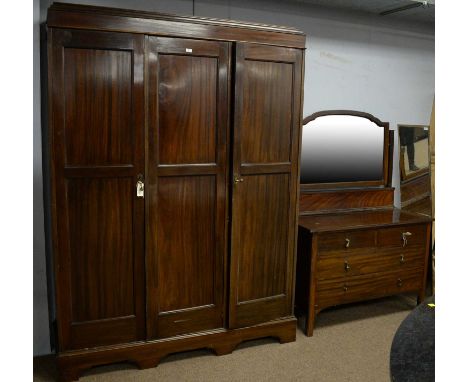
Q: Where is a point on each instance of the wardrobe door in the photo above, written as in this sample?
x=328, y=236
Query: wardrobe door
x=265, y=169
x=186, y=185
x=96, y=133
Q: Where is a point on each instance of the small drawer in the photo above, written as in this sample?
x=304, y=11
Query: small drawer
x=335, y=292
x=368, y=261
x=404, y=236
x=350, y=240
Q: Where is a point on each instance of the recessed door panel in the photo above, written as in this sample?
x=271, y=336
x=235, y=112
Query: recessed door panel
x=266, y=118
x=97, y=130
x=101, y=248
x=186, y=243
x=263, y=248
x=98, y=106
x=265, y=168
x=187, y=109
x=187, y=185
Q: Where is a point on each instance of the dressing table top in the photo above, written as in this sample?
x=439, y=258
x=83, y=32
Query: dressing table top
x=360, y=219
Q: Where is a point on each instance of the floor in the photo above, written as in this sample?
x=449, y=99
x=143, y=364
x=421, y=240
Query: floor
x=350, y=343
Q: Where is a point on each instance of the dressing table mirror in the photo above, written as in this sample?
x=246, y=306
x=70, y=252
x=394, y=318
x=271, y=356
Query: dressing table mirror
x=344, y=149
x=346, y=162
x=415, y=182
x=353, y=245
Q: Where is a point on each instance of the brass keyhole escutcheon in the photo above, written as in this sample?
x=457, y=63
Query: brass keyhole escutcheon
x=399, y=283
x=347, y=267
x=402, y=259
x=140, y=186
x=347, y=243
x=345, y=288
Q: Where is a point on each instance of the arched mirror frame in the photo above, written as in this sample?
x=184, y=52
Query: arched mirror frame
x=387, y=158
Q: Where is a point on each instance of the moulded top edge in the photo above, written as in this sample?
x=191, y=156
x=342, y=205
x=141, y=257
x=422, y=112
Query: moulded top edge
x=66, y=7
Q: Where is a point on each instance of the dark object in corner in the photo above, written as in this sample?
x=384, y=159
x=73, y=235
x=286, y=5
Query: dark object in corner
x=412, y=357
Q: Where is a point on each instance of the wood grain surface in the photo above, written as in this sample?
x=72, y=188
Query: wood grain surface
x=97, y=151
x=329, y=201
x=187, y=185
x=265, y=172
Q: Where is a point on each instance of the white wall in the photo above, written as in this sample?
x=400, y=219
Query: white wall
x=353, y=61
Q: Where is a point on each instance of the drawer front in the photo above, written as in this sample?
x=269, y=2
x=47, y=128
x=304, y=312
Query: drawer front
x=404, y=236
x=349, y=241
x=366, y=261
x=335, y=292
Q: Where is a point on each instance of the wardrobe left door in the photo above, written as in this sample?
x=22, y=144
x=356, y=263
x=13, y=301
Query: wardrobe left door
x=96, y=137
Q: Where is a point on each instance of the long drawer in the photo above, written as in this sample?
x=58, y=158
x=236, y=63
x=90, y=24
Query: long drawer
x=335, y=292
x=332, y=243
x=366, y=261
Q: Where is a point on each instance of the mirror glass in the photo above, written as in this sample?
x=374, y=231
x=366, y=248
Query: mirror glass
x=342, y=148
x=414, y=150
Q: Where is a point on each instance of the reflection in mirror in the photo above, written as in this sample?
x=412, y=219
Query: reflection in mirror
x=414, y=150
x=341, y=148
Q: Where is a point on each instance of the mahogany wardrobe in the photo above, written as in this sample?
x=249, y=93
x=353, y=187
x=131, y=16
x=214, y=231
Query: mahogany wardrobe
x=173, y=151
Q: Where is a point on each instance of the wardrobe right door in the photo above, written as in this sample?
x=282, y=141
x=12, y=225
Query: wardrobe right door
x=267, y=123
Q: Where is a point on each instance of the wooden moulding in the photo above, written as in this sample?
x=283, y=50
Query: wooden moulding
x=147, y=354
x=414, y=189
x=416, y=195
x=327, y=201
x=75, y=16
x=421, y=206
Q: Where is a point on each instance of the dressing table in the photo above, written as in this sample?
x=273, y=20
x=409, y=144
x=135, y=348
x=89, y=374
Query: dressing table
x=353, y=245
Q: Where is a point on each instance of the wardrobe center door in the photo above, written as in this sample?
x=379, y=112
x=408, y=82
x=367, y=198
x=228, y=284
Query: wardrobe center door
x=96, y=134
x=188, y=99
x=265, y=167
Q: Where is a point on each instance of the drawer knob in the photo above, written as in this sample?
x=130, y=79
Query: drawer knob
x=345, y=288
x=348, y=243
x=402, y=259
x=404, y=237
x=399, y=282
x=347, y=267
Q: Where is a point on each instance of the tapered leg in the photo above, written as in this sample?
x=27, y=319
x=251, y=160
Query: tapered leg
x=310, y=322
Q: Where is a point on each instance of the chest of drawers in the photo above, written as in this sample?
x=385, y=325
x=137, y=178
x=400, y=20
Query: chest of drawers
x=359, y=256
